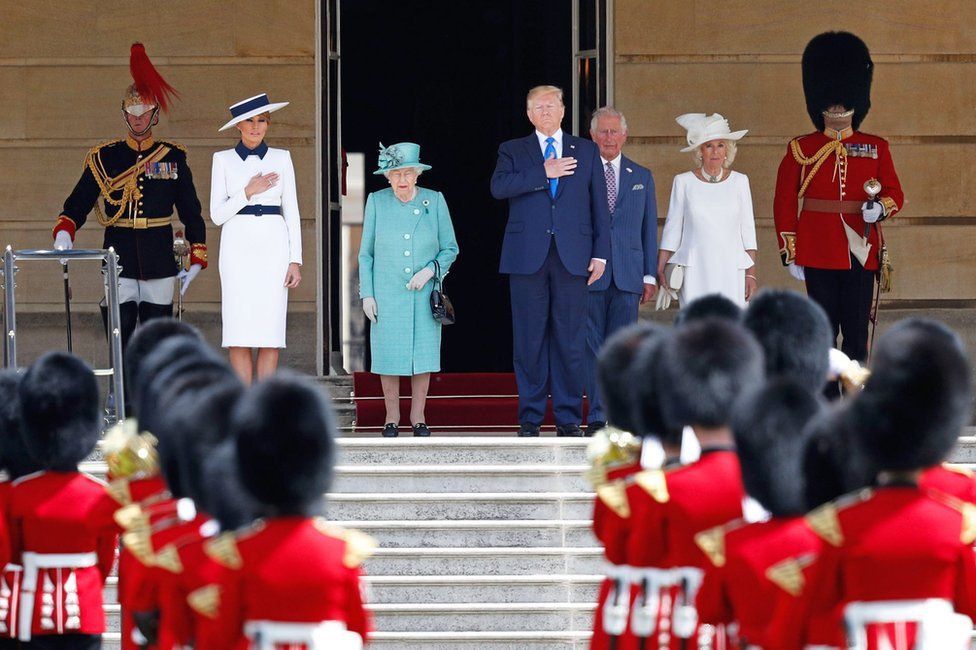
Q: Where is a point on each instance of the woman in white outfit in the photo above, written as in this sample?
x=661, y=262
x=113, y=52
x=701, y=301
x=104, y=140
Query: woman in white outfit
x=253, y=200
x=710, y=229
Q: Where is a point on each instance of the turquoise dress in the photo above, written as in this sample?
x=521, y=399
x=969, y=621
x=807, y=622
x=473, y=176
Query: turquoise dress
x=399, y=239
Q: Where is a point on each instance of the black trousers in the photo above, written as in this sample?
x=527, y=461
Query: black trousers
x=64, y=642
x=845, y=295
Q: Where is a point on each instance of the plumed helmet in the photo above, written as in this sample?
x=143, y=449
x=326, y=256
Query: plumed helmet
x=918, y=398
x=285, y=433
x=61, y=414
x=613, y=372
x=794, y=334
x=837, y=69
x=703, y=370
x=769, y=427
x=149, y=90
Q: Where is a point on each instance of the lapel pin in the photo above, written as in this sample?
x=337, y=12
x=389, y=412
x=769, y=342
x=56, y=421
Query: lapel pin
x=629, y=170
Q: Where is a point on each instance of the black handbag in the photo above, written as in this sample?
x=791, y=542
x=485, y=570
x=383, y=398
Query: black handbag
x=440, y=305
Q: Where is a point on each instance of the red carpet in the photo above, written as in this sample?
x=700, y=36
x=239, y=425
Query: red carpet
x=463, y=401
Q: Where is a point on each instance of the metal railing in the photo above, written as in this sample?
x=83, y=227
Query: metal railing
x=110, y=267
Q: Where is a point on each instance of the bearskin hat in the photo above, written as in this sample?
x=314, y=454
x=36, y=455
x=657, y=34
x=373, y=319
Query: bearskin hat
x=60, y=411
x=918, y=398
x=227, y=502
x=285, y=433
x=703, y=370
x=13, y=452
x=147, y=338
x=794, y=333
x=644, y=395
x=837, y=69
x=834, y=461
x=713, y=305
x=177, y=352
x=613, y=372
x=769, y=428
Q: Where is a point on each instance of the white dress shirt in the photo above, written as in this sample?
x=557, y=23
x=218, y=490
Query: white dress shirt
x=615, y=163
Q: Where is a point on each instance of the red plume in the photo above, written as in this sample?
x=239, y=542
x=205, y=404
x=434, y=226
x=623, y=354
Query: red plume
x=148, y=81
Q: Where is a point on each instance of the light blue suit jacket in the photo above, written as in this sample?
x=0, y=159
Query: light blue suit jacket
x=633, y=231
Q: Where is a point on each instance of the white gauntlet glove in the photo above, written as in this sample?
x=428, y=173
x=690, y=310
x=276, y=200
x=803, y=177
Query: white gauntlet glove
x=187, y=276
x=369, y=308
x=872, y=211
x=62, y=241
x=796, y=271
x=419, y=279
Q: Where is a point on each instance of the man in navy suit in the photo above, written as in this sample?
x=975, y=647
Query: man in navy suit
x=557, y=242
x=629, y=279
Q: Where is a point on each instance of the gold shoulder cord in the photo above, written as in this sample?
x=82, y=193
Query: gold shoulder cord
x=817, y=160
x=127, y=182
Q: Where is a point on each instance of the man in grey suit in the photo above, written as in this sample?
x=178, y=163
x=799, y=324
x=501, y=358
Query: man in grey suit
x=629, y=279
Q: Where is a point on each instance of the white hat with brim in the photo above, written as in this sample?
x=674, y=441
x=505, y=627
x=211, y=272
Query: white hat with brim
x=248, y=108
x=705, y=128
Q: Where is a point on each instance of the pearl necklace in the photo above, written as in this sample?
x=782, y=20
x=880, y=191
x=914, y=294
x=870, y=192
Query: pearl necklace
x=712, y=179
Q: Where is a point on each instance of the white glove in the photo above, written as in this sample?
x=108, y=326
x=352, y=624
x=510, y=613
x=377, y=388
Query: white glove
x=796, y=271
x=871, y=211
x=369, y=308
x=62, y=241
x=186, y=277
x=420, y=278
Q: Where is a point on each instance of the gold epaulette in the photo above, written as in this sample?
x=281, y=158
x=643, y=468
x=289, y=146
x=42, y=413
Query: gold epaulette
x=655, y=483
x=139, y=542
x=712, y=541
x=966, y=509
x=119, y=490
x=359, y=545
x=614, y=496
x=222, y=549
x=824, y=520
x=959, y=469
x=169, y=559
x=173, y=144
x=788, y=574
x=98, y=147
x=205, y=601
x=131, y=516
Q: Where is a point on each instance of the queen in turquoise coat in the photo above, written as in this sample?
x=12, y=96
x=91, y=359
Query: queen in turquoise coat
x=406, y=229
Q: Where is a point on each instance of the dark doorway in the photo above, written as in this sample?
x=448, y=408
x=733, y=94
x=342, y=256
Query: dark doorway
x=452, y=76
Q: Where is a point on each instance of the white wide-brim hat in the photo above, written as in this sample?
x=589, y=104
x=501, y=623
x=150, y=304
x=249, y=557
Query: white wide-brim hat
x=705, y=128
x=248, y=108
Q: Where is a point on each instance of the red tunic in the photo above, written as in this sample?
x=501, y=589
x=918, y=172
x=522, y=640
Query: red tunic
x=821, y=241
x=675, y=506
x=290, y=570
x=955, y=481
x=54, y=520
x=10, y=576
x=892, y=543
x=754, y=569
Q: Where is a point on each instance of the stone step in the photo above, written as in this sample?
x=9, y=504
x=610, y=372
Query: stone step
x=522, y=640
x=538, y=588
x=514, y=561
x=484, y=533
x=483, y=617
x=461, y=478
x=455, y=506
x=481, y=448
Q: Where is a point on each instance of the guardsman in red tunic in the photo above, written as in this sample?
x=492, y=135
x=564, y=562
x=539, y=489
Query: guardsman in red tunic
x=615, y=455
x=292, y=580
x=67, y=551
x=897, y=569
x=826, y=222
x=700, y=372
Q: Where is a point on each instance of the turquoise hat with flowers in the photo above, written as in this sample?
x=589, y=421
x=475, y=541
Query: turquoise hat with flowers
x=399, y=156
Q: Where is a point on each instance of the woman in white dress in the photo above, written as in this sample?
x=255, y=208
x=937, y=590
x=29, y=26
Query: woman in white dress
x=710, y=229
x=253, y=200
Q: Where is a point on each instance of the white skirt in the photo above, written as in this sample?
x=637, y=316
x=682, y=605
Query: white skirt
x=253, y=265
x=698, y=283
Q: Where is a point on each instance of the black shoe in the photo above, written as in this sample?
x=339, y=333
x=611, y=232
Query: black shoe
x=569, y=431
x=528, y=431
x=420, y=430
x=594, y=426
x=391, y=430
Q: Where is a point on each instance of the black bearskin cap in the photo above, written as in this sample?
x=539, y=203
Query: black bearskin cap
x=837, y=69
x=918, y=398
x=702, y=371
x=174, y=352
x=146, y=339
x=645, y=397
x=286, y=449
x=61, y=414
x=613, y=374
x=768, y=424
x=834, y=461
x=228, y=502
x=713, y=305
x=794, y=334
x=13, y=452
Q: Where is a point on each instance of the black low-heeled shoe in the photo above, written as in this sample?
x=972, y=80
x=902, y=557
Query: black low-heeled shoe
x=391, y=430
x=420, y=430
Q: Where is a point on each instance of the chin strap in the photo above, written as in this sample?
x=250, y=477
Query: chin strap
x=139, y=134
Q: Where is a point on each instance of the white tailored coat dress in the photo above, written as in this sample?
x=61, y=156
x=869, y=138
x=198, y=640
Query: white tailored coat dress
x=254, y=250
x=710, y=226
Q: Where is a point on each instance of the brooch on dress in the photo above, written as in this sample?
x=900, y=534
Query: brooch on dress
x=426, y=204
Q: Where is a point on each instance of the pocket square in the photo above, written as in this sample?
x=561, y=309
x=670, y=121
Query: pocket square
x=639, y=186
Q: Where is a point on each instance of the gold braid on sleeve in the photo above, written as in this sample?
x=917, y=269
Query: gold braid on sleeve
x=817, y=160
